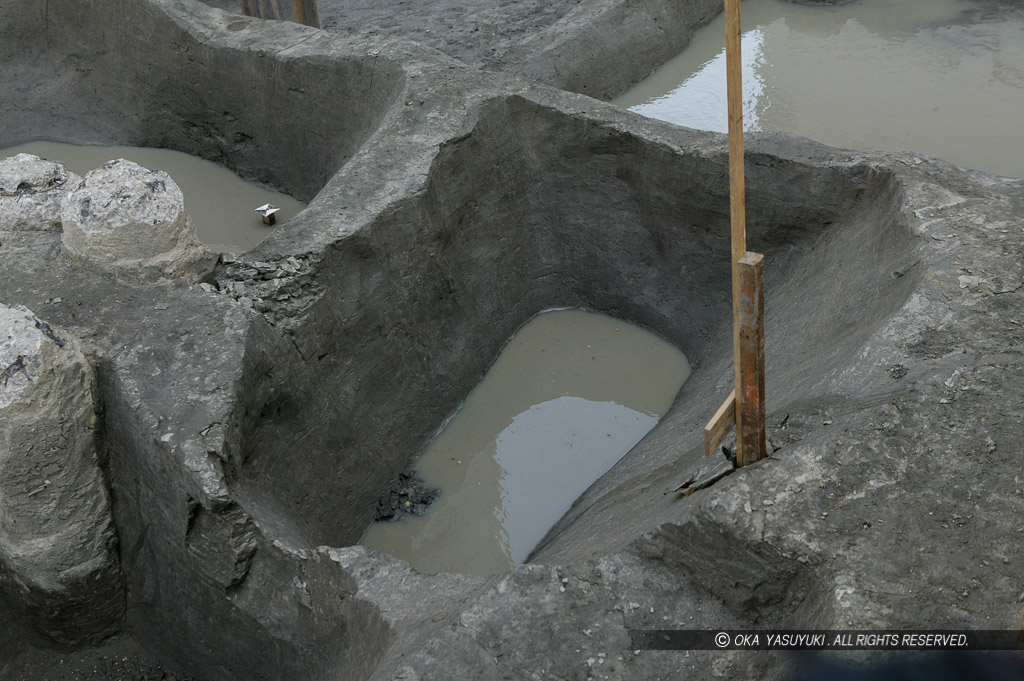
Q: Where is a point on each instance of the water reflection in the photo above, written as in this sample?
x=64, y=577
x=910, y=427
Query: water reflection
x=941, y=77
x=569, y=441
x=570, y=394
x=700, y=100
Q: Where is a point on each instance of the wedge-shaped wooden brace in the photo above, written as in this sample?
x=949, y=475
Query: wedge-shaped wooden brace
x=720, y=423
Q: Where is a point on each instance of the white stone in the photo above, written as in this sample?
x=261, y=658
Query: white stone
x=131, y=221
x=31, y=190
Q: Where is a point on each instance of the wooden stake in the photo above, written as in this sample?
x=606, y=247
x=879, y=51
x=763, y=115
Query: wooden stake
x=737, y=208
x=303, y=11
x=720, y=424
x=313, y=13
x=307, y=12
x=268, y=9
x=751, y=423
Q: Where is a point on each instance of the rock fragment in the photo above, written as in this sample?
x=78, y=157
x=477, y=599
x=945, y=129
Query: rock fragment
x=407, y=495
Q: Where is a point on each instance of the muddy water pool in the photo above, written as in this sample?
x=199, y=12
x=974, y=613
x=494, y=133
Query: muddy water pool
x=944, y=78
x=570, y=393
x=220, y=203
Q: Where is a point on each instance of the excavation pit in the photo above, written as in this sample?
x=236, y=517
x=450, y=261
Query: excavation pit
x=921, y=74
x=219, y=202
x=248, y=423
x=570, y=394
x=535, y=209
x=222, y=102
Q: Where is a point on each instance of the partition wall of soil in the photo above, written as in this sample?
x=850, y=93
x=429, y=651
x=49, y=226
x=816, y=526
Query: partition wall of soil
x=248, y=412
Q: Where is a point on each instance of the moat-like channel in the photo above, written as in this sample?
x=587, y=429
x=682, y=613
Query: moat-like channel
x=220, y=203
x=944, y=78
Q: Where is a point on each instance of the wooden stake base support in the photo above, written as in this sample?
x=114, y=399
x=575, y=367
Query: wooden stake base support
x=719, y=425
x=750, y=439
x=747, y=409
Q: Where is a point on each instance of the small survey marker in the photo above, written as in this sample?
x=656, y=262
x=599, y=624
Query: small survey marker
x=267, y=210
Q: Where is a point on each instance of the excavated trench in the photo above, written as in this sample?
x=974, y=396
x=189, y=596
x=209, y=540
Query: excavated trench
x=176, y=75
x=332, y=388
x=535, y=209
x=219, y=202
x=146, y=75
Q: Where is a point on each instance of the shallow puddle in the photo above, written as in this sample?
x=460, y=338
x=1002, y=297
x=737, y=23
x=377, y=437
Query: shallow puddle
x=569, y=395
x=944, y=78
x=220, y=203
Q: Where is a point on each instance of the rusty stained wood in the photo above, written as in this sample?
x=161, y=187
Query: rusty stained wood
x=720, y=423
x=751, y=420
x=307, y=12
x=301, y=11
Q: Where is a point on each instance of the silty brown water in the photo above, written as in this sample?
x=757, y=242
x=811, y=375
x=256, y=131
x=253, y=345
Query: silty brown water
x=941, y=77
x=569, y=395
x=220, y=203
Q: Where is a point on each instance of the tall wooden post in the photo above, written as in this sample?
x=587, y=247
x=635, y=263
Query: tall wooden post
x=745, y=406
x=737, y=207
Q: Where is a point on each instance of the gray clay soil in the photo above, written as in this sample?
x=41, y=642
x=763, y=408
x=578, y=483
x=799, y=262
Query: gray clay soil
x=248, y=420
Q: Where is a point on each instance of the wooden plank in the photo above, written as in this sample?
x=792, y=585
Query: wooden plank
x=307, y=12
x=751, y=424
x=302, y=11
x=737, y=207
x=313, y=13
x=720, y=423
